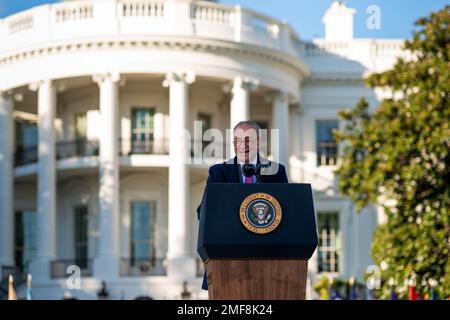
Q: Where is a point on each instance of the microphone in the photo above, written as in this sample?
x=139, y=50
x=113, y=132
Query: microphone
x=249, y=169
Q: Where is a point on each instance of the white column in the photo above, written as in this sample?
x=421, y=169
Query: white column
x=180, y=260
x=240, y=103
x=280, y=115
x=7, y=181
x=106, y=264
x=46, y=195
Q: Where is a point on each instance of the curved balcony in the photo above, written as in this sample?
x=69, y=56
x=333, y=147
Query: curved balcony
x=137, y=267
x=77, y=148
x=25, y=155
x=64, y=149
x=129, y=147
x=80, y=148
x=83, y=153
x=59, y=268
x=69, y=21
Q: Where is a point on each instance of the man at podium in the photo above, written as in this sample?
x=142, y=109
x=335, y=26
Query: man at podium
x=247, y=166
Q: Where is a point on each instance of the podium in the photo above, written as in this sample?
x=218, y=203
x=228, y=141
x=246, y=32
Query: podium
x=256, y=239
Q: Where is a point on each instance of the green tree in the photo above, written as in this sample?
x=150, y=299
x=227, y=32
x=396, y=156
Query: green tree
x=398, y=157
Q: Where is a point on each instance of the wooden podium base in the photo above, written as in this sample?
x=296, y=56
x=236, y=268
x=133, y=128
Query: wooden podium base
x=256, y=279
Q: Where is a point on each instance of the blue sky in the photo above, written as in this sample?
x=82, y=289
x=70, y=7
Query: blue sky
x=305, y=16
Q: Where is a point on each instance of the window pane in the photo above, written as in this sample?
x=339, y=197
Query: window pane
x=326, y=147
x=206, y=125
x=80, y=125
x=142, y=251
x=206, y=121
x=18, y=239
x=26, y=133
x=81, y=235
x=142, y=235
x=142, y=122
x=25, y=237
x=329, y=237
x=142, y=130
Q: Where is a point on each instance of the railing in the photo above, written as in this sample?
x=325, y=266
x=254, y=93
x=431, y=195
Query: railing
x=324, y=49
x=59, y=268
x=74, y=11
x=327, y=154
x=356, y=47
x=77, y=148
x=211, y=12
x=25, y=155
x=20, y=23
x=209, y=149
x=90, y=19
x=132, y=8
x=264, y=23
x=218, y=149
x=386, y=48
x=131, y=146
x=64, y=149
x=86, y=148
x=134, y=267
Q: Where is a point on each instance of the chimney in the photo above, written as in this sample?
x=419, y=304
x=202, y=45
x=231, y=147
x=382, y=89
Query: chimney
x=338, y=21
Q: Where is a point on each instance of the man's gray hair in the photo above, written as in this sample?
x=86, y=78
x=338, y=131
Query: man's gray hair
x=248, y=123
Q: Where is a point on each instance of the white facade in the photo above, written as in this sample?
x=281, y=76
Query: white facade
x=114, y=63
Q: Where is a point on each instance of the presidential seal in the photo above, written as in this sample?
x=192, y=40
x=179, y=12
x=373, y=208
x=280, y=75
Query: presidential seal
x=260, y=213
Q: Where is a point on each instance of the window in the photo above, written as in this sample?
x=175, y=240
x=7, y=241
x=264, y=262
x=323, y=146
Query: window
x=142, y=231
x=206, y=120
x=26, y=132
x=25, y=243
x=206, y=125
x=80, y=132
x=326, y=144
x=329, y=242
x=80, y=125
x=142, y=130
x=81, y=236
x=264, y=140
x=26, y=142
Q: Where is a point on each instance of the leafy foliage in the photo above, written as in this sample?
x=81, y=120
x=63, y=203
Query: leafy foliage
x=398, y=157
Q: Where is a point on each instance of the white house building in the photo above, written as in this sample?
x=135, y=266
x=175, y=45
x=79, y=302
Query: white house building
x=94, y=99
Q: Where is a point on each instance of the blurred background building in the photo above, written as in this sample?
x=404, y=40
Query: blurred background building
x=94, y=98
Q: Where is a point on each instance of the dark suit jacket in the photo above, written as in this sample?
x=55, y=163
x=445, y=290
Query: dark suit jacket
x=227, y=172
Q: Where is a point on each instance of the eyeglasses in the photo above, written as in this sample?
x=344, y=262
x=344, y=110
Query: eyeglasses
x=246, y=140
